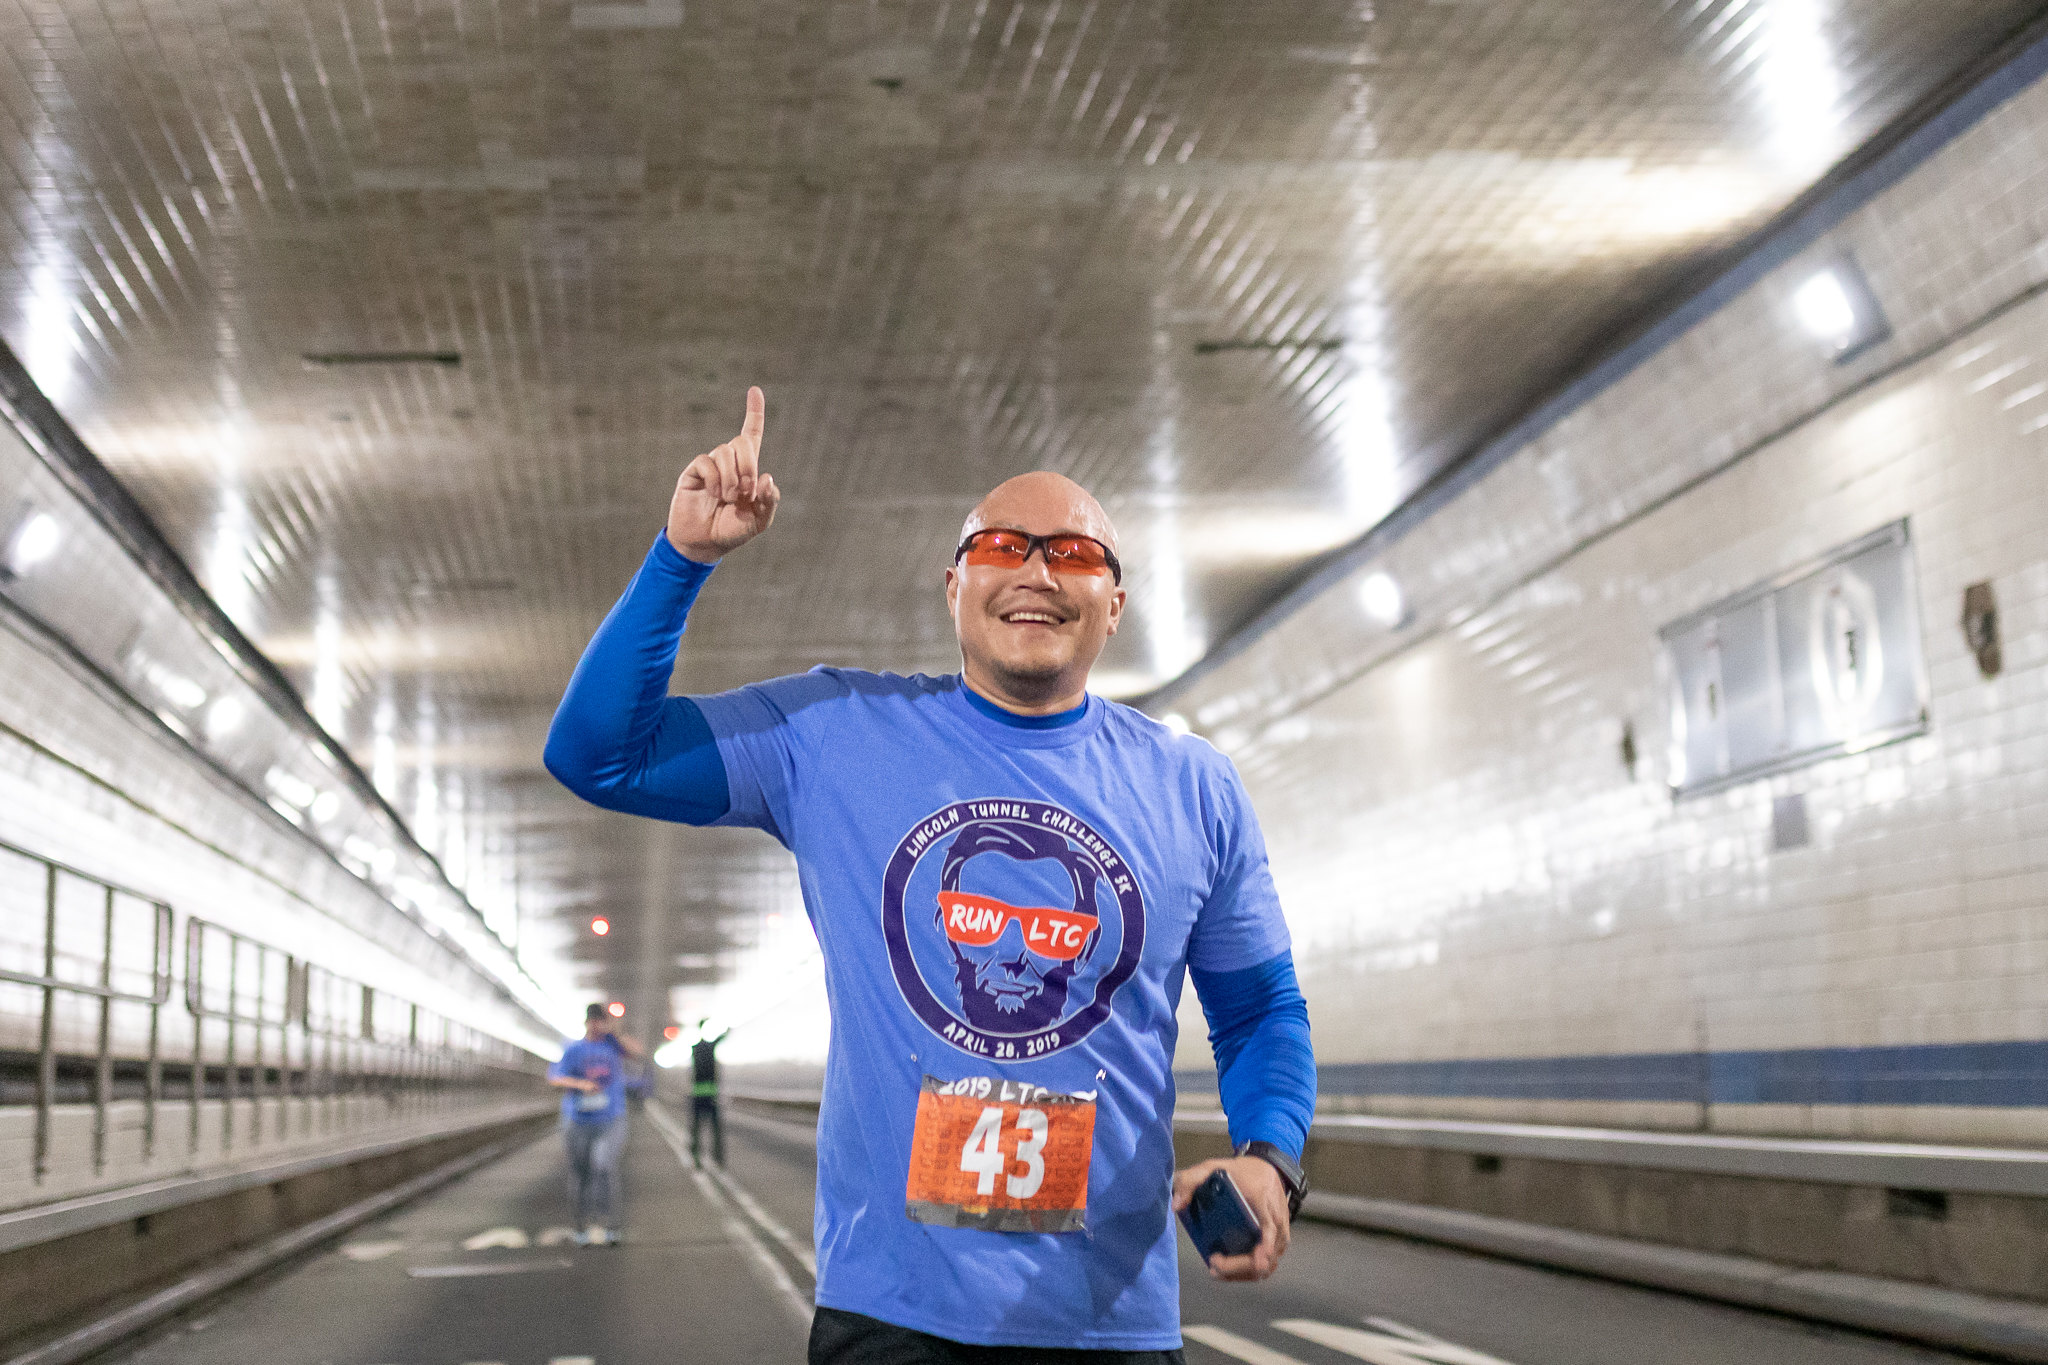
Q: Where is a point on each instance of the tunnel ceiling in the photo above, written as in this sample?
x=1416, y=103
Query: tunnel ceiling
x=401, y=317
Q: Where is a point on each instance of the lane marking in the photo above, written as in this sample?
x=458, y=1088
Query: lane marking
x=573, y=1360
x=734, y=1220
x=1389, y=1343
x=511, y=1238
x=370, y=1251
x=767, y=1221
x=1240, y=1348
x=461, y=1271
x=557, y=1237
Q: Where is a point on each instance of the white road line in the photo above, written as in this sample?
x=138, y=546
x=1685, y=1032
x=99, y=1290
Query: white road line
x=370, y=1251
x=736, y=1225
x=1389, y=1343
x=463, y=1271
x=573, y=1360
x=1235, y=1346
x=512, y=1239
x=768, y=1222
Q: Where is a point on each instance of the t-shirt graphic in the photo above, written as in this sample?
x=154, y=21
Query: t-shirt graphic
x=1011, y=924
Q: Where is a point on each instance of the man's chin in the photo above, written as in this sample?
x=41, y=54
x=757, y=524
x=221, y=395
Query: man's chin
x=1025, y=676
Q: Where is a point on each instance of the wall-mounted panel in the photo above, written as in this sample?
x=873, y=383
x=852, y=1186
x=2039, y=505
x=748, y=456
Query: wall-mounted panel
x=1820, y=661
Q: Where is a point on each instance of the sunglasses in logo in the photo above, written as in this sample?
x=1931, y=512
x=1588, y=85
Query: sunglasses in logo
x=978, y=921
x=998, y=548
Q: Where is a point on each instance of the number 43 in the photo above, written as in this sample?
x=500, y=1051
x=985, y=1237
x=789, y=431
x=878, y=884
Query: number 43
x=983, y=1154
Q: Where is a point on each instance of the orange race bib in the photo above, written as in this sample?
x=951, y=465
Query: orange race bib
x=1001, y=1155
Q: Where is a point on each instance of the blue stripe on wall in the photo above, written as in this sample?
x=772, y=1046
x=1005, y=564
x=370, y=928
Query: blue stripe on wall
x=1988, y=1075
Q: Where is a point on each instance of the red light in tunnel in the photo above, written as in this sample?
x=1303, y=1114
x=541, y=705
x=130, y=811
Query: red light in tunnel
x=672, y=1030
x=617, y=1008
x=600, y=926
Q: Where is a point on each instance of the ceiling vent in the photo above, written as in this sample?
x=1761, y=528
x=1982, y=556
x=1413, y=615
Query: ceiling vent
x=1302, y=344
x=326, y=359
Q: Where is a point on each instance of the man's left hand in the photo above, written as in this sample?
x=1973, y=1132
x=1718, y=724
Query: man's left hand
x=1263, y=1189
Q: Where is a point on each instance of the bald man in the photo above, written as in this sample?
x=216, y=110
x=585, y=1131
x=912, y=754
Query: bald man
x=1010, y=879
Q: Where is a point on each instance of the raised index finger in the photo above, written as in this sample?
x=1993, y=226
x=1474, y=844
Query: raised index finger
x=757, y=410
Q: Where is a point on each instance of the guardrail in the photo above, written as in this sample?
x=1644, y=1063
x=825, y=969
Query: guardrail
x=1887, y=1165
x=117, y=906
x=1891, y=1165
x=265, y=1025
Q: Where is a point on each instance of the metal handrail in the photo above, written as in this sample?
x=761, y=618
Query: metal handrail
x=160, y=989
x=333, y=1055
x=50, y=984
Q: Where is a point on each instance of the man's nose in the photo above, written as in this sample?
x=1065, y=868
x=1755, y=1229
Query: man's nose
x=1037, y=568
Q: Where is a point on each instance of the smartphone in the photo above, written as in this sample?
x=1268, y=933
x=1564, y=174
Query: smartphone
x=1219, y=1220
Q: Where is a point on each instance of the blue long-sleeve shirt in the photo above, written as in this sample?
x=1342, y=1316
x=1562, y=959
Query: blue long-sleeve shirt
x=620, y=741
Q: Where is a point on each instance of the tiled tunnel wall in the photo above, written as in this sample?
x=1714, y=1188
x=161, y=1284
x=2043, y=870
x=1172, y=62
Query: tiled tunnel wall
x=1494, y=917
x=91, y=782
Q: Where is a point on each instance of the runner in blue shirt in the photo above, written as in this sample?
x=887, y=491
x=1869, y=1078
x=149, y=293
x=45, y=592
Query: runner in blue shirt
x=1010, y=880
x=592, y=1070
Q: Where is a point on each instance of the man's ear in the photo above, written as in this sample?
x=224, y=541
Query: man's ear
x=953, y=595
x=1116, y=609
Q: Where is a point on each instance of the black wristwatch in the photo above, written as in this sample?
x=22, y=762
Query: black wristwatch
x=1291, y=1174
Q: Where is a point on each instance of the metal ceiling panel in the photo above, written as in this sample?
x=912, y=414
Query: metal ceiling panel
x=399, y=320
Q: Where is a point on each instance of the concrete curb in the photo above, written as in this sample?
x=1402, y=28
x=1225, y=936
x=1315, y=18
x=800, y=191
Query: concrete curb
x=165, y=1303
x=2010, y=1329
x=1901, y=1165
x=2007, y=1328
x=33, y=1224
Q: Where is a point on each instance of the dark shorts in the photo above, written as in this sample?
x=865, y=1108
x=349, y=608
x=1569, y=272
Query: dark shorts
x=842, y=1338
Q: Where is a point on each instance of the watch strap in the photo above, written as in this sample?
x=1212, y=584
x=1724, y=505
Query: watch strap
x=1291, y=1174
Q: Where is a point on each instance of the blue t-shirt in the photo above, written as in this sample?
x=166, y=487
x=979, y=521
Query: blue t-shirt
x=900, y=798
x=601, y=1060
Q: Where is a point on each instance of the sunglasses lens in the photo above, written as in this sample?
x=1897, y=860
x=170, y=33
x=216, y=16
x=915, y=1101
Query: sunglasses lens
x=1077, y=555
x=997, y=549
x=978, y=921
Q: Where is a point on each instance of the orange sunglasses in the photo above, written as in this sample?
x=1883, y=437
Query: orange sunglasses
x=999, y=548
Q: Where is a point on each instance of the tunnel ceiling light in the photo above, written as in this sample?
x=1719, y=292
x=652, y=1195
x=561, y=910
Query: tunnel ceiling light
x=1381, y=598
x=325, y=806
x=616, y=1009
x=225, y=717
x=1176, y=722
x=34, y=541
x=294, y=790
x=176, y=688
x=600, y=926
x=1836, y=307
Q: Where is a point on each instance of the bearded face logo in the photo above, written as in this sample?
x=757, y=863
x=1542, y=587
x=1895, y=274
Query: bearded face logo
x=1013, y=963
x=1010, y=926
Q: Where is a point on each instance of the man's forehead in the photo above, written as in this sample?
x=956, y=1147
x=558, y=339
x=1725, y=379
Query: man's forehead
x=1043, y=504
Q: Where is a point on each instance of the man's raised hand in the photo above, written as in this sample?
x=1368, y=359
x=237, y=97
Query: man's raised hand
x=723, y=500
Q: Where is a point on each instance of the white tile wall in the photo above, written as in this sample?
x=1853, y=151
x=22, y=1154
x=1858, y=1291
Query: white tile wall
x=88, y=780
x=1468, y=868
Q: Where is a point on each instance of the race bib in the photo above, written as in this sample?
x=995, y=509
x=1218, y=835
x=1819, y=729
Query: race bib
x=1000, y=1155
x=591, y=1102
